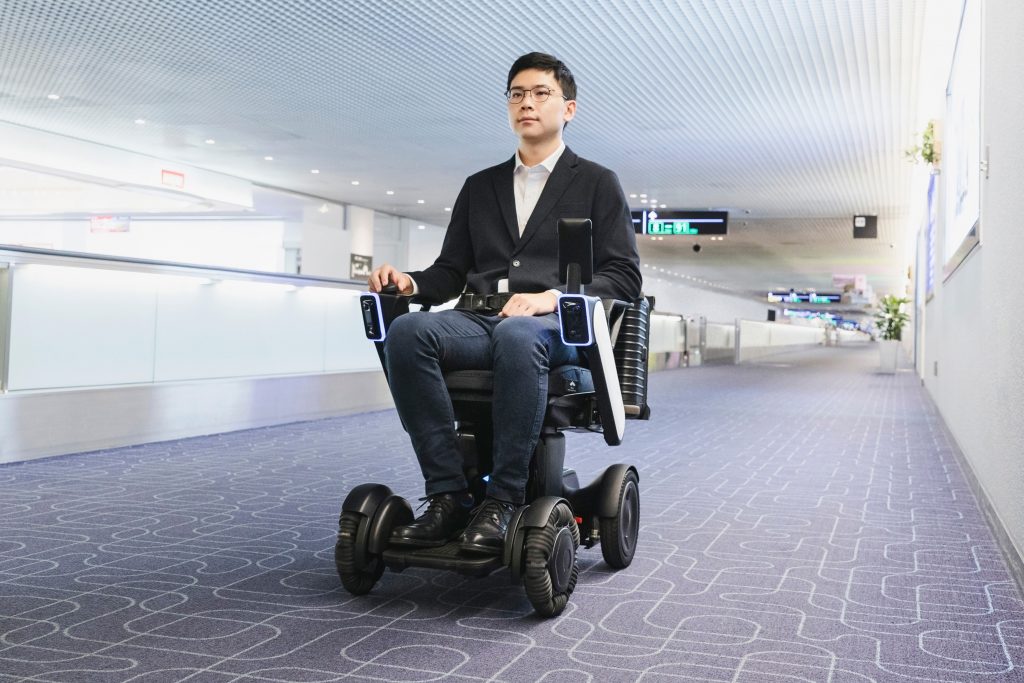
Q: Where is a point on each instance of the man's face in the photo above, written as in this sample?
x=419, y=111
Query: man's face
x=531, y=119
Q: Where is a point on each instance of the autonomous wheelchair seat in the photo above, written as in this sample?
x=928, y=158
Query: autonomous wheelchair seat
x=543, y=536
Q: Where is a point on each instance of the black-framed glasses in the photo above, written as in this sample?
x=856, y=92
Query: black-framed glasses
x=539, y=94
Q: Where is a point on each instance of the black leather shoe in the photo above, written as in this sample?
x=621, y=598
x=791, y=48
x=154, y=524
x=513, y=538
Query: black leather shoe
x=444, y=518
x=486, y=533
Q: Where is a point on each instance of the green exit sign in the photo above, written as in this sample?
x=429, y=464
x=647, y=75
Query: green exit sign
x=657, y=227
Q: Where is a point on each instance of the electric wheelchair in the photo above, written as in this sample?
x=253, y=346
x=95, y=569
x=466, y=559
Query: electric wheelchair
x=543, y=536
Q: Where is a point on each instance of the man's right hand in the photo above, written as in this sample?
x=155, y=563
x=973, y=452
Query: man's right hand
x=388, y=274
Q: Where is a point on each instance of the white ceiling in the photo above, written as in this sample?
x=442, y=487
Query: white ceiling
x=790, y=114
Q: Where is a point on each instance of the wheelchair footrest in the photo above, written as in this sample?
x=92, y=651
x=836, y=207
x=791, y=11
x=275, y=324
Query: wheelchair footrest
x=447, y=557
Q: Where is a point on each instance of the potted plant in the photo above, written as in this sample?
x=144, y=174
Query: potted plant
x=889, y=322
x=929, y=150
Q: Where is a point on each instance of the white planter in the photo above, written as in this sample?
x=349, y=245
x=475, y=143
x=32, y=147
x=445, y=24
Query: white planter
x=888, y=355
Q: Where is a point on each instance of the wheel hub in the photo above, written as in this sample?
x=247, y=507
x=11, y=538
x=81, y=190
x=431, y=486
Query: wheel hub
x=563, y=554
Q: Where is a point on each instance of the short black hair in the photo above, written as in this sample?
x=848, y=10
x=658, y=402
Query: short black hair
x=545, y=62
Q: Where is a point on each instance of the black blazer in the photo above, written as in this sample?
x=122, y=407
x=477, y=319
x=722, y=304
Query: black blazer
x=483, y=245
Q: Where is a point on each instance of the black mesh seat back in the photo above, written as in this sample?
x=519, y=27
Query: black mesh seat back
x=631, y=350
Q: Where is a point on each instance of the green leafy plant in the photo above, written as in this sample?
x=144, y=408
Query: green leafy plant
x=890, y=318
x=929, y=151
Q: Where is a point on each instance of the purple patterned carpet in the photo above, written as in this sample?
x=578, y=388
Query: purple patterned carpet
x=801, y=520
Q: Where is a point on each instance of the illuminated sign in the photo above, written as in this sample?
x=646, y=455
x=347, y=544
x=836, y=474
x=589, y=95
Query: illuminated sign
x=680, y=222
x=110, y=224
x=792, y=297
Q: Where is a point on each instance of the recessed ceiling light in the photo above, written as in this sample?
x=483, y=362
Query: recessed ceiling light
x=389, y=192
x=643, y=201
x=421, y=201
x=314, y=170
x=268, y=158
x=324, y=208
x=663, y=206
x=210, y=141
x=140, y=122
x=643, y=196
x=633, y=196
x=447, y=208
x=355, y=182
x=422, y=227
x=53, y=96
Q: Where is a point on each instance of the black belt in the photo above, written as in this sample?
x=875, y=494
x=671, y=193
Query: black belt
x=483, y=303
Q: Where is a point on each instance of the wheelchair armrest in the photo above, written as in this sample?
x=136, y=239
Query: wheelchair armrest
x=584, y=324
x=380, y=310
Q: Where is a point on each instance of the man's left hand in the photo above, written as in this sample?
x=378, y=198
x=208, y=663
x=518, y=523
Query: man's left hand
x=529, y=304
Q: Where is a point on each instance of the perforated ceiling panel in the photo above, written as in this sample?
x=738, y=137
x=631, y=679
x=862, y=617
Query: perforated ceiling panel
x=795, y=111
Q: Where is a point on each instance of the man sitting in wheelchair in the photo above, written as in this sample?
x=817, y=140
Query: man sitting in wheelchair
x=501, y=250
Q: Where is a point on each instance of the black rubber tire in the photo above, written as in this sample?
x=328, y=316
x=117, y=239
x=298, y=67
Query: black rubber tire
x=539, y=574
x=357, y=580
x=619, y=533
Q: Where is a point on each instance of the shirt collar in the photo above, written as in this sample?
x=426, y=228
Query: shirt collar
x=548, y=164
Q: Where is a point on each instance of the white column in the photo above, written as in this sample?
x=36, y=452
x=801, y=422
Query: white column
x=326, y=244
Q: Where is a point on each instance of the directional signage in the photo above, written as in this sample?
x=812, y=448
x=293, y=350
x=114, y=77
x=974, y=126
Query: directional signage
x=665, y=222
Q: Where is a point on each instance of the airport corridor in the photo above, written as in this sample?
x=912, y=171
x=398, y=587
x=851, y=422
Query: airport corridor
x=802, y=519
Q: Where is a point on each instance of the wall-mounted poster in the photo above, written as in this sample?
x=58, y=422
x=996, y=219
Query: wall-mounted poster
x=360, y=266
x=961, y=148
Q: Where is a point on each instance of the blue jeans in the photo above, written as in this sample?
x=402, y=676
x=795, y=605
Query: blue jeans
x=421, y=347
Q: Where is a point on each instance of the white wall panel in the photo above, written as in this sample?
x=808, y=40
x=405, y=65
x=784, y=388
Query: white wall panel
x=237, y=328
x=347, y=348
x=73, y=327
x=973, y=365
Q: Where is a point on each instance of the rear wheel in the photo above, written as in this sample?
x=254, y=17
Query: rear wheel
x=358, y=569
x=550, y=570
x=619, y=533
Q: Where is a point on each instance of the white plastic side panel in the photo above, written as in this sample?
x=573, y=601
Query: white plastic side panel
x=603, y=342
x=74, y=327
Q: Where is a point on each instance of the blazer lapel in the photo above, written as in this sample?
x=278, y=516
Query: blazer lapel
x=504, y=189
x=558, y=183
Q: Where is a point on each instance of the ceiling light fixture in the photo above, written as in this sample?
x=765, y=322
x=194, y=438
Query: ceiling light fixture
x=421, y=227
x=390, y=192
x=210, y=141
x=355, y=182
x=53, y=96
x=421, y=201
x=268, y=158
x=140, y=122
x=314, y=170
x=447, y=208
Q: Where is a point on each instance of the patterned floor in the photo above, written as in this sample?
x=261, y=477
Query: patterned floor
x=802, y=520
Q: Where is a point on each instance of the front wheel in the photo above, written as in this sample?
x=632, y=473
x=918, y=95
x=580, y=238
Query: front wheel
x=619, y=533
x=357, y=576
x=550, y=570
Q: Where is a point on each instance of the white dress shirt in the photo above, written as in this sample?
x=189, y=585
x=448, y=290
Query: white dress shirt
x=529, y=182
